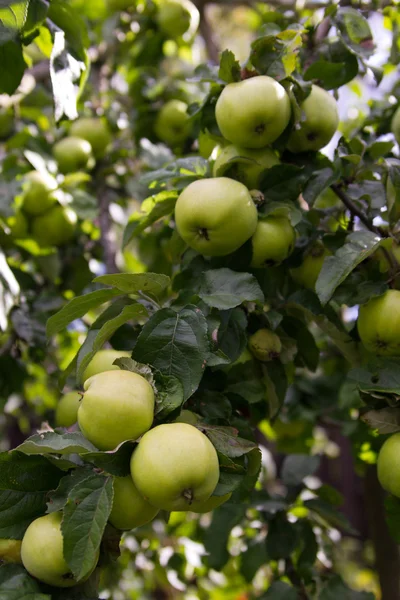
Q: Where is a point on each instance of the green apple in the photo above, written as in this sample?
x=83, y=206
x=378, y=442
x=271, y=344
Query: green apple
x=175, y=466
x=55, y=228
x=172, y=124
x=42, y=552
x=10, y=551
x=210, y=504
x=187, y=416
x=129, y=509
x=395, y=125
x=103, y=361
x=379, y=324
x=320, y=121
x=73, y=154
x=176, y=17
x=265, y=345
x=95, y=131
x=67, y=409
x=6, y=122
x=37, y=192
x=244, y=164
x=307, y=273
x=117, y=406
x=272, y=242
x=206, y=144
x=253, y=113
x=18, y=225
x=389, y=465
x=215, y=216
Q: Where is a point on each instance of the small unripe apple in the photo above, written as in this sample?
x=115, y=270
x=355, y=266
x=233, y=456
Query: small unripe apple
x=215, y=216
x=175, y=466
x=129, y=509
x=272, y=242
x=67, y=409
x=187, y=416
x=389, y=466
x=42, y=552
x=117, y=406
x=253, y=113
x=210, y=504
x=379, y=324
x=321, y=120
x=94, y=130
x=73, y=154
x=172, y=124
x=175, y=17
x=18, y=225
x=395, y=125
x=307, y=273
x=37, y=196
x=56, y=227
x=103, y=361
x=244, y=164
x=10, y=551
x=265, y=345
x=6, y=122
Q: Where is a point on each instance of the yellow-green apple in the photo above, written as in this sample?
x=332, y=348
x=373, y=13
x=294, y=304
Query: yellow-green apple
x=265, y=345
x=67, y=409
x=55, y=227
x=129, y=509
x=175, y=466
x=37, y=192
x=215, y=216
x=103, y=361
x=379, y=324
x=10, y=551
x=18, y=225
x=176, y=17
x=272, y=242
x=389, y=466
x=94, y=130
x=73, y=154
x=116, y=406
x=253, y=113
x=172, y=124
x=307, y=273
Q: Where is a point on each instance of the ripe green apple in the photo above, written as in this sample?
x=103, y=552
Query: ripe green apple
x=187, y=416
x=321, y=120
x=210, y=504
x=174, y=466
x=389, y=465
x=94, y=130
x=73, y=154
x=175, y=17
x=265, y=345
x=37, y=196
x=215, y=216
x=379, y=324
x=172, y=124
x=18, y=225
x=129, y=509
x=42, y=552
x=307, y=273
x=6, y=122
x=244, y=164
x=253, y=113
x=395, y=125
x=55, y=227
x=117, y=406
x=272, y=242
x=67, y=409
x=103, y=361
x=10, y=551
x=206, y=144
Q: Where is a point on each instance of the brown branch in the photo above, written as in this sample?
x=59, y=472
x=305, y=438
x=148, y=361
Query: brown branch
x=106, y=237
x=207, y=33
x=356, y=211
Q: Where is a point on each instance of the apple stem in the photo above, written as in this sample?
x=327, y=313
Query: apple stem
x=188, y=495
x=258, y=197
x=203, y=232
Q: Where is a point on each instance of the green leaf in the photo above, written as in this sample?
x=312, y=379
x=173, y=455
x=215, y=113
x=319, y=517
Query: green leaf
x=276, y=55
x=275, y=380
x=252, y=559
x=175, y=343
x=22, y=473
x=282, y=537
x=116, y=462
x=306, y=345
x=245, y=380
x=156, y=207
x=385, y=421
x=379, y=375
x=355, y=30
x=51, y=442
x=59, y=497
x=77, y=308
x=228, y=482
x=12, y=66
x=149, y=283
x=298, y=466
x=329, y=514
x=332, y=75
x=336, y=588
x=229, y=68
x=18, y=510
x=283, y=182
x=169, y=396
x=359, y=245
x=85, y=517
x=224, y=519
x=226, y=440
x=225, y=289
x=17, y=584
x=231, y=333
x=280, y=591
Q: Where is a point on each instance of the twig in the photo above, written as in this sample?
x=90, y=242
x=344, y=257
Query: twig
x=208, y=34
x=356, y=211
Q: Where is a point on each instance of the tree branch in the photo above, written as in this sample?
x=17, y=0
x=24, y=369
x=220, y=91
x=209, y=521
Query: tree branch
x=356, y=211
x=207, y=33
x=106, y=238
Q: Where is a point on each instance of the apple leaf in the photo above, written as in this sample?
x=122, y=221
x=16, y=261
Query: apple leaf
x=329, y=514
x=385, y=421
x=276, y=55
x=225, y=289
x=59, y=497
x=24, y=473
x=12, y=56
x=85, y=517
x=154, y=208
x=337, y=588
x=279, y=590
x=229, y=69
x=379, y=375
x=115, y=462
x=17, y=584
x=51, y=442
x=226, y=440
x=216, y=536
x=134, y=283
x=18, y=510
x=170, y=394
x=298, y=466
x=175, y=343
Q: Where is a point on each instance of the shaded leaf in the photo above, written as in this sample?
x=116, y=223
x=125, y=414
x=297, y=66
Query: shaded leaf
x=132, y=283
x=225, y=289
x=56, y=443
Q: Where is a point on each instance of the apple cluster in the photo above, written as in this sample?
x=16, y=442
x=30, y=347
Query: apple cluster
x=174, y=466
x=216, y=216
